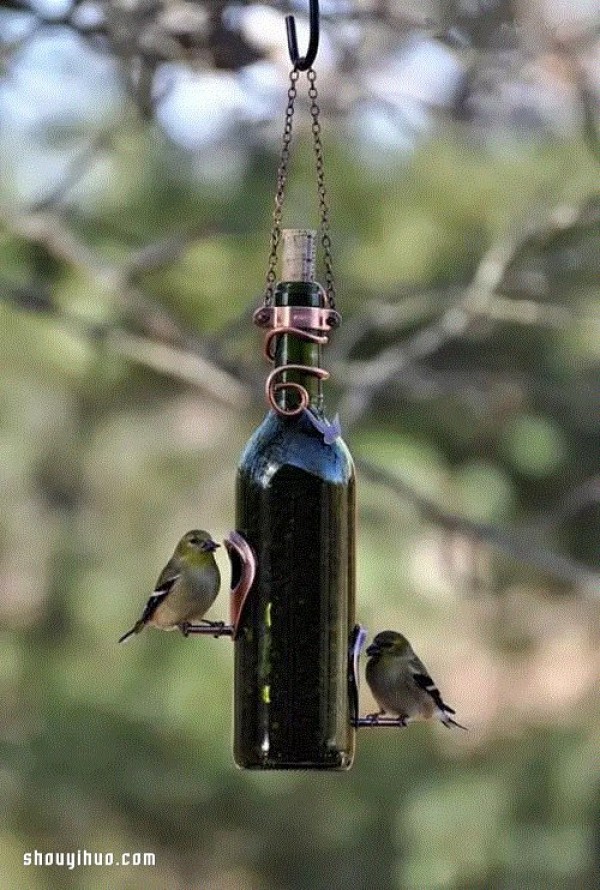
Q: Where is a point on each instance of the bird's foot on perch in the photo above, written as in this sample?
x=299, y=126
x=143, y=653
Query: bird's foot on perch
x=209, y=628
x=380, y=718
x=218, y=627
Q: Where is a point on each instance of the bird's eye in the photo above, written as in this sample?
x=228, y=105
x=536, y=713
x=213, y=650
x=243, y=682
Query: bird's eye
x=195, y=540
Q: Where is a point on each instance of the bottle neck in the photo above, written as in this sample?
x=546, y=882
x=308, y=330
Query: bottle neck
x=293, y=350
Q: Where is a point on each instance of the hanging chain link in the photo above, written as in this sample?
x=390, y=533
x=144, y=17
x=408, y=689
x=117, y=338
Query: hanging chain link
x=282, y=174
x=321, y=190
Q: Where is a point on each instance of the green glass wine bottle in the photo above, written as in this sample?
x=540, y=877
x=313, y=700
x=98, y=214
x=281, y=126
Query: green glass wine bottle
x=296, y=507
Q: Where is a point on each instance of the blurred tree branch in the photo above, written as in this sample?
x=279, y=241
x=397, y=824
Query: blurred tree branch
x=516, y=544
x=180, y=364
x=481, y=301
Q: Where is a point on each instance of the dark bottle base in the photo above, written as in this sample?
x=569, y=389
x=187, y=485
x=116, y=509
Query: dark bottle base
x=343, y=766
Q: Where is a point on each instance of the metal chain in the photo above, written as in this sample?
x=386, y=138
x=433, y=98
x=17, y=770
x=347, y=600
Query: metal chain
x=281, y=182
x=282, y=174
x=322, y=192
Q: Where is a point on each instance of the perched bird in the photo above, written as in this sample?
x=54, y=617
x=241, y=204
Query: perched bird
x=401, y=684
x=186, y=588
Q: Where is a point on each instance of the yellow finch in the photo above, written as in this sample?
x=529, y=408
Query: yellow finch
x=186, y=588
x=401, y=684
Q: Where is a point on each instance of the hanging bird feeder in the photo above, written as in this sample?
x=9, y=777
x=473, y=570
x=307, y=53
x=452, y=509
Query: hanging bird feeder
x=292, y=614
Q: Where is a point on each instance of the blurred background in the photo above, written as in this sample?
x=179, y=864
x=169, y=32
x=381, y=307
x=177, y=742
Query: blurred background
x=139, y=144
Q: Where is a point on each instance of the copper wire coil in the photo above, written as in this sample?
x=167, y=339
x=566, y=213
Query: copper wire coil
x=320, y=339
x=302, y=322
x=272, y=388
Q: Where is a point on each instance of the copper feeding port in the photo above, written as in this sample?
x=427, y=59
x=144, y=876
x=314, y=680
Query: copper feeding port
x=243, y=572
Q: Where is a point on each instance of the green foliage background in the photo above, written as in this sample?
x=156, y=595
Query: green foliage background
x=104, y=464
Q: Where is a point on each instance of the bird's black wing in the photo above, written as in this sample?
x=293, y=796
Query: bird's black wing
x=426, y=683
x=160, y=592
x=152, y=605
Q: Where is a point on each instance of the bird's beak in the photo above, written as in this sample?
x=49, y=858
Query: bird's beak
x=372, y=649
x=209, y=546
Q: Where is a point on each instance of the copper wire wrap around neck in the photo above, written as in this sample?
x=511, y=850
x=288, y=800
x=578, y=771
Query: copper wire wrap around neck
x=303, y=322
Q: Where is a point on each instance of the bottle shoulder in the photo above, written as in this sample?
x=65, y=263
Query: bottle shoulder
x=295, y=441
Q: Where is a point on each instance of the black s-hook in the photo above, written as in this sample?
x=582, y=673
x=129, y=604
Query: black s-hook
x=304, y=63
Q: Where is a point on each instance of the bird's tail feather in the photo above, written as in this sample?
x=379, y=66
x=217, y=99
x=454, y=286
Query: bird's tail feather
x=448, y=722
x=137, y=627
